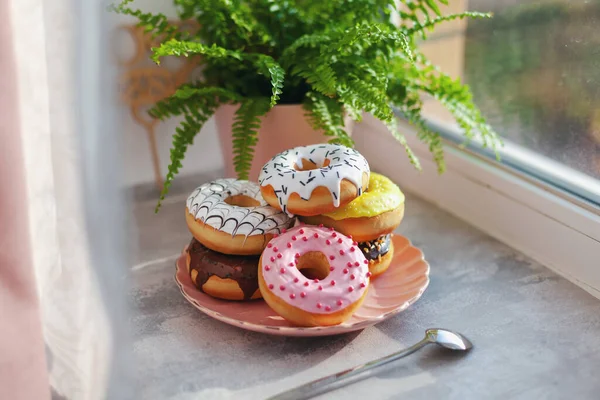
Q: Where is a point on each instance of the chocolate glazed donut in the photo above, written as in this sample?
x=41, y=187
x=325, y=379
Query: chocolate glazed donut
x=223, y=276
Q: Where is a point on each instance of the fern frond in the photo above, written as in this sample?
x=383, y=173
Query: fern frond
x=154, y=23
x=320, y=76
x=411, y=110
x=245, y=128
x=174, y=47
x=363, y=36
x=457, y=98
x=197, y=113
x=269, y=67
x=311, y=40
x=420, y=28
x=327, y=115
x=361, y=95
x=178, y=104
x=392, y=126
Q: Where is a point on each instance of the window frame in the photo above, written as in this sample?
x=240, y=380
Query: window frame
x=551, y=226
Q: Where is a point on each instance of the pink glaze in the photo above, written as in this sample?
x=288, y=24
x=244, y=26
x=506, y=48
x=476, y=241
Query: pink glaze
x=334, y=293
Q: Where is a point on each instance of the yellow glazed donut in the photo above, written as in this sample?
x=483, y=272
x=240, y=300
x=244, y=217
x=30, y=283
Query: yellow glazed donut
x=377, y=212
x=369, y=219
x=313, y=180
x=231, y=217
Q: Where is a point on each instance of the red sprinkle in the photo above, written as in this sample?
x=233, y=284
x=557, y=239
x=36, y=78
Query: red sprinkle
x=332, y=283
x=267, y=268
x=350, y=236
x=297, y=255
x=275, y=235
x=320, y=225
x=351, y=248
x=290, y=245
x=279, y=255
x=305, y=283
x=334, y=234
x=350, y=289
x=331, y=228
x=270, y=245
x=294, y=238
x=296, y=280
x=340, y=240
x=275, y=249
x=356, y=264
x=272, y=259
x=303, y=294
x=319, y=305
x=328, y=241
x=363, y=284
x=281, y=287
x=316, y=281
x=366, y=261
x=339, y=303
x=327, y=308
x=346, y=270
x=304, y=238
x=292, y=296
x=349, y=264
x=342, y=252
x=369, y=274
x=271, y=286
x=301, y=231
x=282, y=270
x=352, y=276
x=320, y=287
x=332, y=257
x=355, y=243
x=291, y=264
x=283, y=230
x=316, y=235
x=331, y=268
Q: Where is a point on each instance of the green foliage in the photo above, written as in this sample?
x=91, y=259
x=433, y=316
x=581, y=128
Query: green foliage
x=245, y=132
x=338, y=58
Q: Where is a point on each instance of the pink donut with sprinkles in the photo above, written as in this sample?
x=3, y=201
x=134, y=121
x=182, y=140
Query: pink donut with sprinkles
x=313, y=276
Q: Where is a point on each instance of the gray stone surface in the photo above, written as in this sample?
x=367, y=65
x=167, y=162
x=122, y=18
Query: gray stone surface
x=535, y=334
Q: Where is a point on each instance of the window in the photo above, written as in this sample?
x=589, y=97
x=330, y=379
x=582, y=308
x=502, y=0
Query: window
x=534, y=70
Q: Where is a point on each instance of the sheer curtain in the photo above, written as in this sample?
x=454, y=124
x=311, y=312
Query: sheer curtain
x=61, y=199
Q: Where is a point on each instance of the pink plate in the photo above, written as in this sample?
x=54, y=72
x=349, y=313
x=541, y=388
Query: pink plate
x=400, y=286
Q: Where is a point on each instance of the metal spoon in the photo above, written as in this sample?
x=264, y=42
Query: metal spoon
x=442, y=337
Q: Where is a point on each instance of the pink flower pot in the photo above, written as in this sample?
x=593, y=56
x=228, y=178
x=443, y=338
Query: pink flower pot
x=284, y=127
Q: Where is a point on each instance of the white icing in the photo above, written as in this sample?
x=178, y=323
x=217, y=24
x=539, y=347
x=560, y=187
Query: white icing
x=345, y=163
x=207, y=204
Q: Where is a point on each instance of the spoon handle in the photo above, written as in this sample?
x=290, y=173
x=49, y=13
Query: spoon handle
x=343, y=378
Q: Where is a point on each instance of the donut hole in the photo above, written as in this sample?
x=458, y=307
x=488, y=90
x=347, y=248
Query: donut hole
x=241, y=200
x=313, y=265
x=308, y=165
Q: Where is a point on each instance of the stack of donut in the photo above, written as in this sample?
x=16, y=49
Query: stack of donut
x=231, y=225
x=315, y=273
x=341, y=193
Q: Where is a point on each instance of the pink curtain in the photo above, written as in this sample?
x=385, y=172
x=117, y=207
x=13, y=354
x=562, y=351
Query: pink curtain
x=23, y=372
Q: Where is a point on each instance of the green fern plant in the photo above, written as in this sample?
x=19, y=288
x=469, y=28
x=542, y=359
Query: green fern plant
x=335, y=57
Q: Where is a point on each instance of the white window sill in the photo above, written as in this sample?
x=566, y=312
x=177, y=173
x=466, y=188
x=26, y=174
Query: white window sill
x=558, y=233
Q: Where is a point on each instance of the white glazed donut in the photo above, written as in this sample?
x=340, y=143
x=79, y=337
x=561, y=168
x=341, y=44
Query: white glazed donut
x=290, y=268
x=315, y=179
x=230, y=216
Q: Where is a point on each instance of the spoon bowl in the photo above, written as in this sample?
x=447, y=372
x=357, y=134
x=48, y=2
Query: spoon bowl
x=448, y=339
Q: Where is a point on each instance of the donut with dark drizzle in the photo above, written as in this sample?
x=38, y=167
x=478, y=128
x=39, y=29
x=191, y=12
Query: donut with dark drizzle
x=242, y=269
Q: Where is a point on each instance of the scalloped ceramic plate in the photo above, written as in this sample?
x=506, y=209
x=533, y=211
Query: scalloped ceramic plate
x=391, y=293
